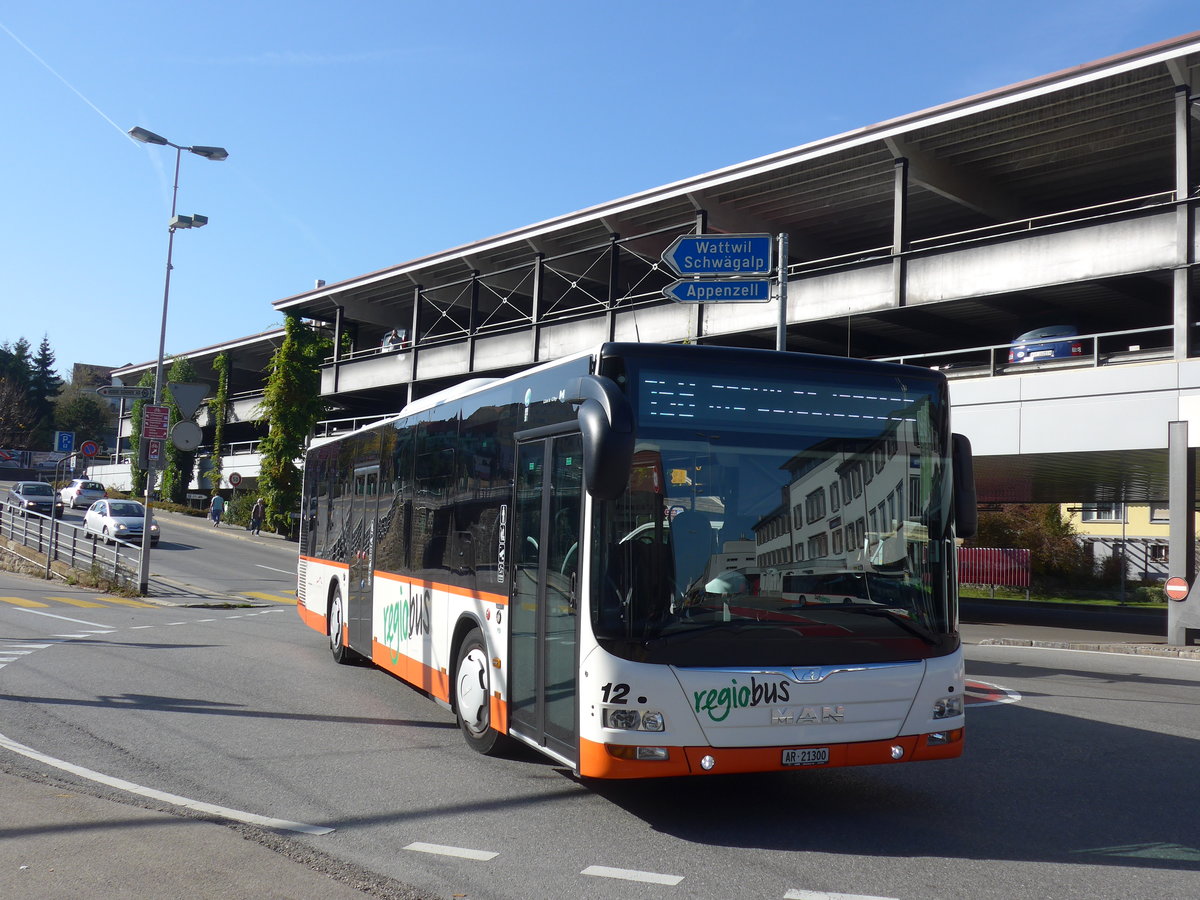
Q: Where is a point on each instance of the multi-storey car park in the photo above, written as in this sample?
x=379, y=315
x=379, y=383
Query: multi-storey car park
x=936, y=239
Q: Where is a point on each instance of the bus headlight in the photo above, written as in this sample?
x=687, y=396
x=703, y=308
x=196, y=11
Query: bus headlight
x=635, y=720
x=947, y=707
x=626, y=719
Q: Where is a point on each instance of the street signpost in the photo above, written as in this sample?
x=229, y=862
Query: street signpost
x=723, y=290
x=119, y=392
x=1176, y=588
x=713, y=269
x=720, y=254
x=155, y=422
x=89, y=449
x=64, y=441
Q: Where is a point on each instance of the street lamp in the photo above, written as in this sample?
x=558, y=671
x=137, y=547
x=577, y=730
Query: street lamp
x=216, y=154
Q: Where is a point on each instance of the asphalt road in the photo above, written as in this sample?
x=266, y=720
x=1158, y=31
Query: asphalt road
x=1079, y=787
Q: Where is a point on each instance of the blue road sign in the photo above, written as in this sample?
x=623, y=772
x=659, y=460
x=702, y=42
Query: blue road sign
x=64, y=441
x=720, y=254
x=710, y=290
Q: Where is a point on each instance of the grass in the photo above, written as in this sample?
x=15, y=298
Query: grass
x=1061, y=598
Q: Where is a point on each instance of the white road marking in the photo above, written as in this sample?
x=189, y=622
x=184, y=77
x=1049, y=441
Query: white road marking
x=461, y=852
x=269, y=568
x=824, y=895
x=1002, y=695
x=632, y=875
x=224, y=812
x=39, y=612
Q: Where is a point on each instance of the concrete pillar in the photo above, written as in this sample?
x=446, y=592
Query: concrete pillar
x=1184, y=313
x=900, y=233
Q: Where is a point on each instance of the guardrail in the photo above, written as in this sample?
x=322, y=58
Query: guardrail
x=64, y=542
x=1103, y=348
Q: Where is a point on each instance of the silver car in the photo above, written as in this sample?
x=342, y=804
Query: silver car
x=119, y=519
x=82, y=492
x=36, y=496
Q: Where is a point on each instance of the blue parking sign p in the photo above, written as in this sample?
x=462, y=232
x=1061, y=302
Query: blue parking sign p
x=64, y=441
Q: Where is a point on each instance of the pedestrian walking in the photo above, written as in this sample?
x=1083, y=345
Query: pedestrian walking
x=256, y=516
x=216, y=509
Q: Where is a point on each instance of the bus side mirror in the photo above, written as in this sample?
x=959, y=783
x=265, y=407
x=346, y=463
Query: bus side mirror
x=966, y=507
x=606, y=423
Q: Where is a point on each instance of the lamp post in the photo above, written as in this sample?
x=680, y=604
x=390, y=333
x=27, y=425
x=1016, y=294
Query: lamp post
x=216, y=154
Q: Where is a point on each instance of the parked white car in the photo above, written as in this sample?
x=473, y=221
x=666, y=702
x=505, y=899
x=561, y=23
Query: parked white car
x=123, y=519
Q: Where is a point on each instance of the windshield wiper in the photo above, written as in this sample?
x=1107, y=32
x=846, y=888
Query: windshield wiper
x=889, y=613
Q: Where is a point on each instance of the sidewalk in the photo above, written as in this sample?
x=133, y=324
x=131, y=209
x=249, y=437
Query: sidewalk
x=62, y=841
x=1133, y=631
x=56, y=842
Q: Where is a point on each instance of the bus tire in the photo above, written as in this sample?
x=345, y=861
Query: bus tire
x=472, y=695
x=342, y=654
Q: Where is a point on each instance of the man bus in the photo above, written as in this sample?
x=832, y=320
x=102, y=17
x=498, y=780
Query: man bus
x=598, y=557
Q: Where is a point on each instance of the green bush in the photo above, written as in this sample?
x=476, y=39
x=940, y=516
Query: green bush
x=1149, y=593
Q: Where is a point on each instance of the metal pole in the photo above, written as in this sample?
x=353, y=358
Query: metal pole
x=782, y=271
x=144, y=566
x=53, y=518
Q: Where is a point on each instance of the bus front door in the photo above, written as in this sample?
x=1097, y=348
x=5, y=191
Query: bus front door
x=543, y=620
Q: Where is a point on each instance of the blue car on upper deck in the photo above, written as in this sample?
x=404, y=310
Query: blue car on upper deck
x=1048, y=342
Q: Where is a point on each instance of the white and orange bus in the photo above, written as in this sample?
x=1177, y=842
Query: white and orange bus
x=589, y=558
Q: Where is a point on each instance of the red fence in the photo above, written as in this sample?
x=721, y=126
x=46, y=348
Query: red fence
x=986, y=565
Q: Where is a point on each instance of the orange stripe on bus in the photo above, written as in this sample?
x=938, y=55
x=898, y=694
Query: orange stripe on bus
x=328, y=562
x=432, y=681
x=598, y=761
x=499, y=713
x=313, y=620
x=485, y=596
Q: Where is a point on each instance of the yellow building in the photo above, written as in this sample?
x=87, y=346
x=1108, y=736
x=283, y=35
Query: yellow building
x=1141, y=531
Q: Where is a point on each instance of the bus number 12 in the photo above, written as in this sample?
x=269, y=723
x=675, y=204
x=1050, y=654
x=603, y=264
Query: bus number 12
x=615, y=693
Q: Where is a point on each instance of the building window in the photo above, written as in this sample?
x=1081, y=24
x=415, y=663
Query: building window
x=818, y=546
x=1160, y=514
x=1103, y=512
x=814, y=505
x=1158, y=553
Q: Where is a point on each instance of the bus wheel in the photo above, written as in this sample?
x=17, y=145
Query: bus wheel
x=337, y=618
x=472, y=694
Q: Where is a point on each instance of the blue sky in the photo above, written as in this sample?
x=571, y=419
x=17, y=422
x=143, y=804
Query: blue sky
x=364, y=134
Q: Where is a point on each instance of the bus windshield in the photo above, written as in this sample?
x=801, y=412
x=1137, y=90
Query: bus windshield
x=794, y=518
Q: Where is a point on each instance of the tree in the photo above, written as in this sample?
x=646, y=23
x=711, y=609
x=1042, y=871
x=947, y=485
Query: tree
x=1054, y=548
x=137, y=474
x=219, y=411
x=80, y=410
x=44, y=386
x=16, y=364
x=179, y=466
x=17, y=416
x=291, y=407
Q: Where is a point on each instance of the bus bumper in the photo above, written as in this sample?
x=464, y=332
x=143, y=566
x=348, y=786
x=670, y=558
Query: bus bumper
x=620, y=761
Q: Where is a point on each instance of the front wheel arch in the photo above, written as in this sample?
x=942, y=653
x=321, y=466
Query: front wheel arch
x=471, y=691
x=335, y=619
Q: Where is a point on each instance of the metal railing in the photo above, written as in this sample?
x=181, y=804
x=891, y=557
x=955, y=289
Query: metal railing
x=67, y=543
x=1102, y=348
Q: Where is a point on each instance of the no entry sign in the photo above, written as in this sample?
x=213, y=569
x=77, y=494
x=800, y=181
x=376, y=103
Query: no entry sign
x=1176, y=588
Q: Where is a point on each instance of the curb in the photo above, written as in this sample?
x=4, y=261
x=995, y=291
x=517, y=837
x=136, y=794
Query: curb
x=1191, y=653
